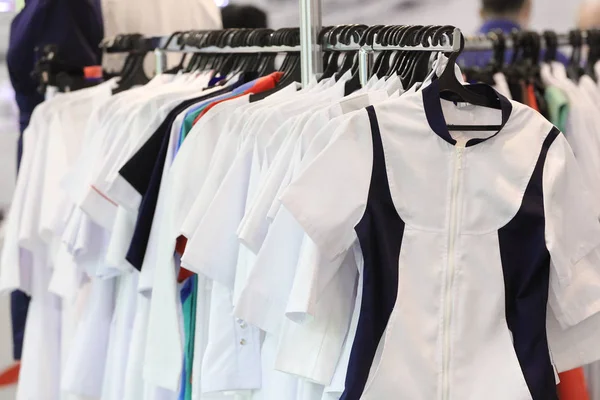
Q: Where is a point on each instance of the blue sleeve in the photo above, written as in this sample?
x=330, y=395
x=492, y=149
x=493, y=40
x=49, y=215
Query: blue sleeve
x=74, y=26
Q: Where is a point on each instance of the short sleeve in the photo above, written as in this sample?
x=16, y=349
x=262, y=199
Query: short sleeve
x=263, y=299
x=329, y=195
x=255, y=225
x=572, y=238
x=313, y=275
x=213, y=248
x=313, y=348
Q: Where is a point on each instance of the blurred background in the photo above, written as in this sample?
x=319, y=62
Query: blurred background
x=558, y=15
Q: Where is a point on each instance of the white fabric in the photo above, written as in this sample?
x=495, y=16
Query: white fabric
x=33, y=257
x=501, y=85
x=581, y=128
x=268, y=194
x=338, y=181
x=163, y=362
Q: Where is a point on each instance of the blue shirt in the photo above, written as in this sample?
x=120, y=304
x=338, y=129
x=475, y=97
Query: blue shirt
x=237, y=91
x=75, y=26
x=483, y=58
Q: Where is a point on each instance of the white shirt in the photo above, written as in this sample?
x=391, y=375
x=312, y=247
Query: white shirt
x=34, y=226
x=581, y=128
x=435, y=230
x=185, y=178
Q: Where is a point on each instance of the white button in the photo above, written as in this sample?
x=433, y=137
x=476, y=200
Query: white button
x=243, y=324
x=243, y=342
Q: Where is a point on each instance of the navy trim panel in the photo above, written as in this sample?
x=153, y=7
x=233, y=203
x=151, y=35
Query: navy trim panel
x=526, y=268
x=435, y=115
x=380, y=233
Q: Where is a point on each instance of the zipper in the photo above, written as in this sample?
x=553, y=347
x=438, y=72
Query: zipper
x=450, y=274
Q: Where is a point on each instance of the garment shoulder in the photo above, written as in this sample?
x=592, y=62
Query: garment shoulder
x=533, y=121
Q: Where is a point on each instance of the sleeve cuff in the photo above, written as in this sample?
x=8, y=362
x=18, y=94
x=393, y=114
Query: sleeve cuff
x=579, y=299
x=100, y=208
x=260, y=310
x=331, y=249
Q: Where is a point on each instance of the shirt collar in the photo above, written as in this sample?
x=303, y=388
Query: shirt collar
x=435, y=115
x=504, y=25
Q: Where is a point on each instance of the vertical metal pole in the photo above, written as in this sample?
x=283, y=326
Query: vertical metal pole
x=310, y=26
x=365, y=64
x=160, y=57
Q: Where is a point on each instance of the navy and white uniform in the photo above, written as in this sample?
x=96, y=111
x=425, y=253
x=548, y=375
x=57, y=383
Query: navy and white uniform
x=481, y=262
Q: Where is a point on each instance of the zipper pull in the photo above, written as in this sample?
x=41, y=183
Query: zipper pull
x=459, y=157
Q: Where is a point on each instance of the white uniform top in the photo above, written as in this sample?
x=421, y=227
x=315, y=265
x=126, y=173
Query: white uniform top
x=137, y=125
x=274, y=382
x=44, y=311
x=513, y=202
x=162, y=361
x=581, y=128
x=246, y=342
x=32, y=248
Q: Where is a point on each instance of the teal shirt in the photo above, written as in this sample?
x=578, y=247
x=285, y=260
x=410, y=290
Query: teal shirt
x=558, y=107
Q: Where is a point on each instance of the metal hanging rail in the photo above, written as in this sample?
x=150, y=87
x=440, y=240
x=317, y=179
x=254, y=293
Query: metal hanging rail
x=174, y=47
x=311, y=50
x=310, y=27
x=165, y=44
x=446, y=48
x=366, y=52
x=487, y=42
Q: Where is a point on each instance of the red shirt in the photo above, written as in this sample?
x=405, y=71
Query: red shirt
x=262, y=85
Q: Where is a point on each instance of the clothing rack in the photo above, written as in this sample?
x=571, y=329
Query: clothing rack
x=310, y=40
x=366, y=44
x=311, y=26
x=228, y=41
x=488, y=42
x=128, y=43
x=371, y=40
x=233, y=41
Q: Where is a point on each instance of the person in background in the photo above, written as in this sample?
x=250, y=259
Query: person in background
x=589, y=15
x=76, y=27
x=243, y=16
x=504, y=16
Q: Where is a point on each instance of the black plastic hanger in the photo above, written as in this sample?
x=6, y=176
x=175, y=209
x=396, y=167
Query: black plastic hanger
x=292, y=71
x=381, y=67
x=133, y=74
x=233, y=63
x=551, y=40
x=593, y=42
x=416, y=67
x=353, y=36
x=449, y=87
x=331, y=39
x=410, y=38
x=535, y=53
x=259, y=62
x=403, y=60
x=399, y=59
x=499, y=51
x=574, y=69
x=321, y=41
x=512, y=71
x=420, y=69
x=194, y=39
x=349, y=59
x=180, y=65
